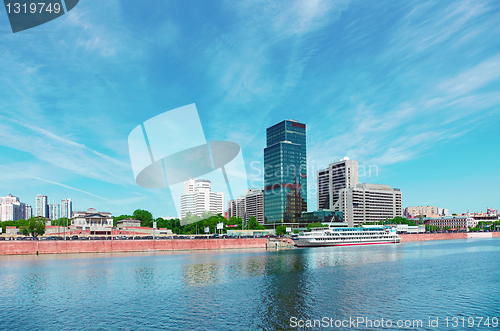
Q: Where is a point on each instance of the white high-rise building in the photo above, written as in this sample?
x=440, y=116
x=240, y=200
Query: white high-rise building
x=369, y=203
x=42, y=206
x=339, y=189
x=198, y=198
x=332, y=180
x=54, y=211
x=28, y=212
x=11, y=209
x=66, y=208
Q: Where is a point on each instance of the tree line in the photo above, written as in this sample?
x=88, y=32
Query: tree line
x=35, y=226
x=192, y=224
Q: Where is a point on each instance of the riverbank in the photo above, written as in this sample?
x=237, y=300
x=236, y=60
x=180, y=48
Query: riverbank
x=447, y=236
x=16, y=247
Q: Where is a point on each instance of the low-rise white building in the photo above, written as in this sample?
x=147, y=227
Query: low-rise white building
x=454, y=222
x=128, y=223
x=95, y=222
x=405, y=228
x=12, y=230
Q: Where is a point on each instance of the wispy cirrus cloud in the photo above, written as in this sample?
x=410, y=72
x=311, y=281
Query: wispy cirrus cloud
x=474, y=78
x=453, y=93
x=247, y=61
x=63, y=153
x=25, y=175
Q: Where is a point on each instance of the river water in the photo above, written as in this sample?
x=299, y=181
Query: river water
x=258, y=289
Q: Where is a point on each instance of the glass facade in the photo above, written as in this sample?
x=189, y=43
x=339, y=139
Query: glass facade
x=285, y=172
x=323, y=216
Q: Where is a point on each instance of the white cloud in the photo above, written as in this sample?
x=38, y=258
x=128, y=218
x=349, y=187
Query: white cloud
x=62, y=152
x=474, y=78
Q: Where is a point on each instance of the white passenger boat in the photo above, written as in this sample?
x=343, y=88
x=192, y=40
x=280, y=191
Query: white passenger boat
x=331, y=236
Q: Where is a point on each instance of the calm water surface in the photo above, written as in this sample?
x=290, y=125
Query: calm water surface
x=253, y=289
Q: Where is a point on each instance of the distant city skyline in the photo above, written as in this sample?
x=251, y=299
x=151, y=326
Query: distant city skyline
x=406, y=88
x=12, y=208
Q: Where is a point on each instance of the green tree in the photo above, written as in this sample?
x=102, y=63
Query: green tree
x=18, y=224
x=144, y=216
x=429, y=228
x=254, y=225
x=207, y=214
x=190, y=219
x=119, y=218
x=474, y=229
x=315, y=225
x=399, y=220
x=35, y=227
x=235, y=221
x=280, y=230
x=173, y=224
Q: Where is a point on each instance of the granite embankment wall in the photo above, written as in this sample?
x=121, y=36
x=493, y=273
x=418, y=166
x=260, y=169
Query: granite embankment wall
x=447, y=236
x=105, y=246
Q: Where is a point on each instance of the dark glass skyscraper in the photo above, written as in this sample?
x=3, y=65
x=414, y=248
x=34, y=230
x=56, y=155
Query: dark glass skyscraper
x=285, y=172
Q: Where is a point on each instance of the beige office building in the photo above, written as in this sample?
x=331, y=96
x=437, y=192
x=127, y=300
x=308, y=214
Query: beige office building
x=236, y=208
x=252, y=204
x=429, y=211
x=339, y=189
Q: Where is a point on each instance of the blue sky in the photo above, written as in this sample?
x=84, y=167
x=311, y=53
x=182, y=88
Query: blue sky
x=411, y=87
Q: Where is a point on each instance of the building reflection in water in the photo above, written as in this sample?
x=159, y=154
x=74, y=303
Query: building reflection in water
x=145, y=276
x=35, y=283
x=223, y=270
x=283, y=283
x=285, y=291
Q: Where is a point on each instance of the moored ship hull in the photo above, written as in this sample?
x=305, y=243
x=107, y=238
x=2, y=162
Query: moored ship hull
x=347, y=237
x=309, y=244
